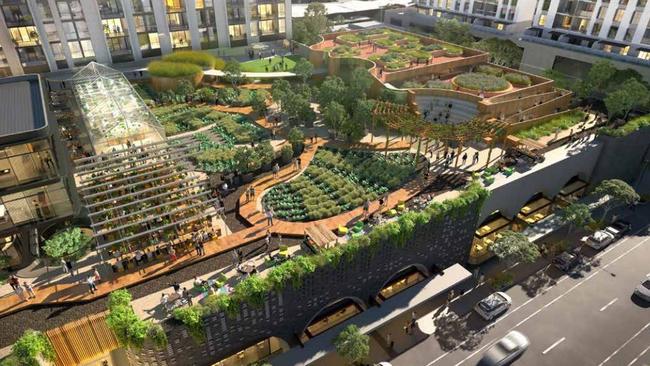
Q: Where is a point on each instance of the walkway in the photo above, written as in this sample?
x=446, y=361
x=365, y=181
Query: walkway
x=255, y=75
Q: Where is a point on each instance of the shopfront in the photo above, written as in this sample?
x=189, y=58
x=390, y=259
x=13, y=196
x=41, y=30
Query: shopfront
x=486, y=235
x=400, y=282
x=536, y=209
x=256, y=353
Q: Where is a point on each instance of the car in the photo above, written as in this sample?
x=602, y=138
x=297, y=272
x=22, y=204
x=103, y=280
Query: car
x=566, y=261
x=600, y=239
x=618, y=228
x=493, y=305
x=506, y=350
x=642, y=290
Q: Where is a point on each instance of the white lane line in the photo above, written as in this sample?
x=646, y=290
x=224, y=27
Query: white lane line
x=553, y=345
x=608, y=304
x=623, y=345
x=639, y=356
x=533, y=298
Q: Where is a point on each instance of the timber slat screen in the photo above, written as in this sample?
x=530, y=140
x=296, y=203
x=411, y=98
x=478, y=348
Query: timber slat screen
x=82, y=340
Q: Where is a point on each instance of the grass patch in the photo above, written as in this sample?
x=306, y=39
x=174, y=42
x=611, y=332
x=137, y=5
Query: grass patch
x=172, y=69
x=263, y=65
x=201, y=59
x=548, y=128
x=479, y=81
x=518, y=79
x=632, y=125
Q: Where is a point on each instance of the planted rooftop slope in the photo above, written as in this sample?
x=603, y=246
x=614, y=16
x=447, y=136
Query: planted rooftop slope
x=337, y=181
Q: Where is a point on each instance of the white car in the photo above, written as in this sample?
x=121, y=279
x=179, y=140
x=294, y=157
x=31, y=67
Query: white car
x=643, y=289
x=505, y=350
x=493, y=305
x=600, y=239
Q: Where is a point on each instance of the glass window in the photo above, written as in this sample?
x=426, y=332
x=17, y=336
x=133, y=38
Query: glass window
x=265, y=10
x=618, y=16
x=281, y=26
x=38, y=204
x=237, y=31
x=24, y=36
x=87, y=48
x=644, y=55
x=82, y=29
x=254, y=29
x=154, y=40
x=26, y=163
x=180, y=39
x=281, y=10
x=266, y=27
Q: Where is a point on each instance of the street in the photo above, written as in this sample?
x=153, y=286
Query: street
x=587, y=318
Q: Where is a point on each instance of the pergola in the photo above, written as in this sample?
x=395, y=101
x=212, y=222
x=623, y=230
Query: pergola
x=142, y=195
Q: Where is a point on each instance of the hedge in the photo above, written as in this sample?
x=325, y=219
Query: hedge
x=479, y=81
x=562, y=122
x=632, y=125
x=518, y=79
x=490, y=70
x=253, y=290
x=130, y=330
x=202, y=59
x=172, y=69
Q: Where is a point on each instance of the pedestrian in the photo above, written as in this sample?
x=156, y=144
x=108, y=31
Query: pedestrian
x=20, y=292
x=30, y=290
x=267, y=244
x=382, y=202
x=164, y=300
x=98, y=278
x=68, y=265
x=240, y=256
x=90, y=280
x=248, y=196
x=176, y=286
x=295, y=164
x=197, y=249
x=475, y=158
x=187, y=296
x=172, y=254
x=464, y=157
x=269, y=216
x=13, y=282
x=366, y=208
x=64, y=267
x=276, y=170
x=407, y=327
x=202, y=246
x=299, y=163
x=251, y=190
x=389, y=341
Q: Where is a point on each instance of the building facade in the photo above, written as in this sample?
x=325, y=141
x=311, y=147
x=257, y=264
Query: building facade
x=33, y=189
x=567, y=34
x=52, y=35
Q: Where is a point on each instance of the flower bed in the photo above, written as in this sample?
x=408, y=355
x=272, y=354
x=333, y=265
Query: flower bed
x=236, y=129
x=481, y=82
x=337, y=181
x=183, y=117
x=548, y=128
x=344, y=51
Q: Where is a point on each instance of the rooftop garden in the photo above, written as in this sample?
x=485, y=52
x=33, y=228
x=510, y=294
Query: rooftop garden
x=481, y=82
x=562, y=122
x=278, y=63
x=337, y=181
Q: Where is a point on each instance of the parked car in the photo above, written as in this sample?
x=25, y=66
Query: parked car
x=618, y=228
x=566, y=261
x=506, y=350
x=493, y=305
x=642, y=290
x=600, y=239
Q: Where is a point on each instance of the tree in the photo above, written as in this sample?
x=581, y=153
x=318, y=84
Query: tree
x=515, y=247
x=296, y=138
x=258, y=101
x=453, y=31
x=205, y=95
x=632, y=94
x=357, y=88
x=303, y=69
x=232, y=73
x=297, y=107
x=71, y=242
x=314, y=23
x=502, y=51
x=335, y=116
x=31, y=346
x=332, y=89
x=561, y=80
x=596, y=80
x=279, y=89
x=353, y=131
x=617, y=193
x=575, y=215
x=352, y=345
x=362, y=113
x=184, y=89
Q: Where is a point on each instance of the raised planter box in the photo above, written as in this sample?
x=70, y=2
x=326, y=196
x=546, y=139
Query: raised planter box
x=163, y=83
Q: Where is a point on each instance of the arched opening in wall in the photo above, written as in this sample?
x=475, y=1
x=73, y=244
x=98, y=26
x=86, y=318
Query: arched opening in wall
x=401, y=281
x=256, y=353
x=572, y=191
x=534, y=210
x=486, y=234
x=332, y=315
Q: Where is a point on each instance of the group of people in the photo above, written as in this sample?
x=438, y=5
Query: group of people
x=25, y=292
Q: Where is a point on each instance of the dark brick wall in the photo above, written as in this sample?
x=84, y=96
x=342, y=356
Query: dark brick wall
x=439, y=243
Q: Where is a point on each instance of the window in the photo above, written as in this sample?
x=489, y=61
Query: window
x=542, y=20
x=612, y=32
x=25, y=163
x=281, y=10
x=175, y=5
x=265, y=11
x=87, y=48
x=254, y=28
x=266, y=27
x=282, y=28
x=24, y=36
x=38, y=204
x=180, y=39
x=237, y=31
x=113, y=27
x=618, y=16
x=644, y=55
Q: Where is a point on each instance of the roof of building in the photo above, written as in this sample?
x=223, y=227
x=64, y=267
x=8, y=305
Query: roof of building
x=352, y=6
x=21, y=105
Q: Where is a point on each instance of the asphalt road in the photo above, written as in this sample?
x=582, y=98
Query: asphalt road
x=587, y=318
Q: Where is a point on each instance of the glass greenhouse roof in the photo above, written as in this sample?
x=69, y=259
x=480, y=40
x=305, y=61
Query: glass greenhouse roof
x=113, y=112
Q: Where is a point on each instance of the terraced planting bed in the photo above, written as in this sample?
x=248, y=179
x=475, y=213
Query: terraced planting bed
x=337, y=181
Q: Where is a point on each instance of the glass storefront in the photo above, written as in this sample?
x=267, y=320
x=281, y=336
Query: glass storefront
x=404, y=281
x=255, y=353
x=330, y=317
x=25, y=163
x=36, y=204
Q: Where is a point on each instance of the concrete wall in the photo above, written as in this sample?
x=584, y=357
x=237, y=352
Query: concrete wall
x=622, y=157
x=286, y=314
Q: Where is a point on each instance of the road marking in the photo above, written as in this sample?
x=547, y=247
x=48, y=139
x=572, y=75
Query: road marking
x=545, y=306
x=553, y=345
x=608, y=304
x=639, y=356
x=623, y=345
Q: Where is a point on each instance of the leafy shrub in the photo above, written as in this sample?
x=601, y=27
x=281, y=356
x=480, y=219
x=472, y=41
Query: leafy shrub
x=432, y=47
x=130, y=330
x=4, y=261
x=172, y=69
x=30, y=346
x=71, y=242
x=630, y=126
x=352, y=37
x=478, y=81
x=562, y=122
x=452, y=50
x=286, y=153
x=489, y=69
x=344, y=51
x=518, y=79
x=192, y=318
x=202, y=59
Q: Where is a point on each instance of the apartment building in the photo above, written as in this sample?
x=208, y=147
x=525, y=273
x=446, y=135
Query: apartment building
x=488, y=18
x=569, y=34
x=51, y=35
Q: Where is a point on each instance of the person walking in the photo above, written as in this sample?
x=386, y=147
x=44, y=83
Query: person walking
x=90, y=280
x=299, y=163
x=464, y=158
x=202, y=246
x=251, y=191
x=267, y=244
x=295, y=164
x=276, y=170
x=20, y=292
x=69, y=266
x=389, y=341
x=187, y=296
x=366, y=208
x=269, y=216
x=13, y=282
x=475, y=158
x=30, y=290
x=64, y=266
x=98, y=277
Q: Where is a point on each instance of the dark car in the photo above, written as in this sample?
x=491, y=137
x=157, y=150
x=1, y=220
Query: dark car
x=618, y=228
x=566, y=261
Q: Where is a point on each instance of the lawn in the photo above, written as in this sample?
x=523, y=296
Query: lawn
x=263, y=65
x=337, y=181
x=548, y=128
